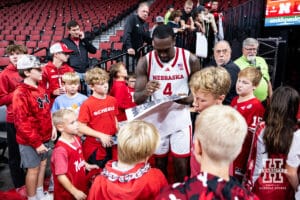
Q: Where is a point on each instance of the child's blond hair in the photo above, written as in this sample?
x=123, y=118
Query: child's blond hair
x=213, y=80
x=252, y=73
x=221, y=131
x=59, y=116
x=137, y=141
x=71, y=78
x=95, y=76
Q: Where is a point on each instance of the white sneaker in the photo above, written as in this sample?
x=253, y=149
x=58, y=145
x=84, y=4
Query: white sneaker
x=47, y=196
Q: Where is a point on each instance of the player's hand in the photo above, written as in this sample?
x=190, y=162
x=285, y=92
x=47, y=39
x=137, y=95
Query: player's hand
x=151, y=87
x=79, y=195
x=41, y=149
x=131, y=51
x=106, y=140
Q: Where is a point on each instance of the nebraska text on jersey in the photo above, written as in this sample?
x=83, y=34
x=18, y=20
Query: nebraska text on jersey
x=173, y=77
x=104, y=110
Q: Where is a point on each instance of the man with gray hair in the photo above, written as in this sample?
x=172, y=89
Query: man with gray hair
x=250, y=58
x=222, y=58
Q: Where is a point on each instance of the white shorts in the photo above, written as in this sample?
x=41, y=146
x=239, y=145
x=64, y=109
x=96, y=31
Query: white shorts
x=180, y=142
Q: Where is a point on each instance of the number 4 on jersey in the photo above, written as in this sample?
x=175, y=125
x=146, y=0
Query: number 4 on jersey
x=168, y=89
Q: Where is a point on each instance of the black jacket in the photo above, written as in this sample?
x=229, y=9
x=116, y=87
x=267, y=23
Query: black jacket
x=136, y=32
x=79, y=58
x=233, y=71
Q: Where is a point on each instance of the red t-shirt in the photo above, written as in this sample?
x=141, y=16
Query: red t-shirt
x=100, y=115
x=67, y=159
x=140, y=182
x=122, y=93
x=253, y=111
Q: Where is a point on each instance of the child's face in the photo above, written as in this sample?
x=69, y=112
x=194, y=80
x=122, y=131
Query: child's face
x=71, y=87
x=70, y=125
x=203, y=100
x=13, y=57
x=35, y=74
x=100, y=88
x=122, y=71
x=244, y=86
x=131, y=82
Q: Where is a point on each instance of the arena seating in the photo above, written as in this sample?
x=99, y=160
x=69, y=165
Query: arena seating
x=38, y=24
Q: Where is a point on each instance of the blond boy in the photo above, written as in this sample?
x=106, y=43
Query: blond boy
x=215, y=149
x=72, y=99
x=130, y=177
x=67, y=162
x=251, y=109
x=97, y=117
x=209, y=86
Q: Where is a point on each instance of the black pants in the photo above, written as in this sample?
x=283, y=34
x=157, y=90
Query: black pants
x=100, y=163
x=14, y=159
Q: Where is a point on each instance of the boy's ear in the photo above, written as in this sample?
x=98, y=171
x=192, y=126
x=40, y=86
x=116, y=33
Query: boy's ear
x=60, y=127
x=220, y=99
x=197, y=150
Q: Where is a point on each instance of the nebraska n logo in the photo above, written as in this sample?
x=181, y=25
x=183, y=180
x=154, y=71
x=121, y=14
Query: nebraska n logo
x=273, y=169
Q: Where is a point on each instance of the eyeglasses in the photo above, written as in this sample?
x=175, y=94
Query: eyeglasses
x=250, y=49
x=224, y=51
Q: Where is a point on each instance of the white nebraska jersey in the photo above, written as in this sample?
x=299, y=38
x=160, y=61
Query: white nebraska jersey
x=172, y=76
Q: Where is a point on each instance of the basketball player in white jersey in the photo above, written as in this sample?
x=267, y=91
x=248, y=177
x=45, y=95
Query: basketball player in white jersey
x=165, y=71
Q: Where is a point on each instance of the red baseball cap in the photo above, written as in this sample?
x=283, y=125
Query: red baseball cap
x=60, y=47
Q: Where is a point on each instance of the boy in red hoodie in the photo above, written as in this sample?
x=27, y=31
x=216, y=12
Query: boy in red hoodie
x=9, y=80
x=32, y=117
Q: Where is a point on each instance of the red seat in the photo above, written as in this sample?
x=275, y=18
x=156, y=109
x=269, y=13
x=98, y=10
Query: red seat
x=31, y=44
x=36, y=37
x=20, y=37
x=10, y=37
x=105, y=45
x=97, y=55
x=43, y=44
x=114, y=38
x=117, y=45
x=4, y=61
x=4, y=43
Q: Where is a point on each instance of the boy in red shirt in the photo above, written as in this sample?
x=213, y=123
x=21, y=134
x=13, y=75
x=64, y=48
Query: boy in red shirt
x=218, y=140
x=131, y=177
x=9, y=80
x=98, y=121
x=120, y=90
x=53, y=70
x=31, y=109
x=251, y=109
x=67, y=162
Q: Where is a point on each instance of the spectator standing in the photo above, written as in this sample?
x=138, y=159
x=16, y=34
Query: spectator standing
x=159, y=20
x=170, y=9
x=81, y=46
x=120, y=90
x=67, y=162
x=131, y=177
x=31, y=109
x=72, y=99
x=153, y=71
x=187, y=21
x=250, y=58
x=9, y=80
x=222, y=58
x=136, y=31
x=98, y=121
x=271, y=145
x=214, y=150
x=53, y=71
x=251, y=109
x=209, y=86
